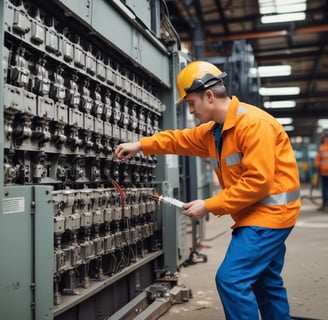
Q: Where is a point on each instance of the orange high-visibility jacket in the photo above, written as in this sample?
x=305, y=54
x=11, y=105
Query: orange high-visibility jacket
x=321, y=159
x=257, y=168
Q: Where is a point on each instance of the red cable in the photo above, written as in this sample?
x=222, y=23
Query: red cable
x=120, y=190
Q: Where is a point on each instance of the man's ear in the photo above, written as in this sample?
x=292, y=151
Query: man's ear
x=209, y=95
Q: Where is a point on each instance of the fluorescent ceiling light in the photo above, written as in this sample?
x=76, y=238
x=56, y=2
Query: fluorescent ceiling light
x=279, y=2
x=289, y=128
x=280, y=104
x=274, y=11
x=271, y=71
x=285, y=121
x=279, y=91
x=287, y=17
x=283, y=8
x=323, y=123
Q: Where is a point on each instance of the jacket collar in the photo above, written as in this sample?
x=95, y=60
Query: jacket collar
x=232, y=114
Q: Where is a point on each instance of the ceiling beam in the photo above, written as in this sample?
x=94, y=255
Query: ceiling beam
x=296, y=115
x=270, y=34
x=295, y=78
x=222, y=16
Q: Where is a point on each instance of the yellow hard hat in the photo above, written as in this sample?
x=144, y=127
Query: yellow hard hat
x=197, y=75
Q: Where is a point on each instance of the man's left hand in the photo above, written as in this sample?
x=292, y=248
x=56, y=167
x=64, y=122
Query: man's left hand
x=195, y=209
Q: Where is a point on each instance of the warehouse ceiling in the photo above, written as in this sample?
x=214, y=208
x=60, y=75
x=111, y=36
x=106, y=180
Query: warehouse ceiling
x=208, y=28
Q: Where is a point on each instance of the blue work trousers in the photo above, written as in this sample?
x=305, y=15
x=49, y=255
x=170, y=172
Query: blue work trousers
x=324, y=190
x=249, y=280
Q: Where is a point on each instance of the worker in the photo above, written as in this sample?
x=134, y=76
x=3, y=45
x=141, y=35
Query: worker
x=321, y=164
x=260, y=184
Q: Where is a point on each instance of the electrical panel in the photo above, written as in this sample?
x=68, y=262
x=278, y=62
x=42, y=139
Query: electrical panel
x=72, y=91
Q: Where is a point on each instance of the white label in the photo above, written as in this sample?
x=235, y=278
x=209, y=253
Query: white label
x=172, y=161
x=13, y=205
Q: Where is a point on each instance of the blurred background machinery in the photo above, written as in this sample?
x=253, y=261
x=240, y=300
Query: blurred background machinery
x=81, y=238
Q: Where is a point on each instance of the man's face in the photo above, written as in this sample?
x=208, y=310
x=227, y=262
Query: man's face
x=201, y=108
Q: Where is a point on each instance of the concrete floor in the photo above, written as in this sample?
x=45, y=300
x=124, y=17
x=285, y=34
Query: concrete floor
x=305, y=272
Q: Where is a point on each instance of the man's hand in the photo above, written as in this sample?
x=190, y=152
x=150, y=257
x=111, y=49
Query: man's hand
x=195, y=209
x=125, y=151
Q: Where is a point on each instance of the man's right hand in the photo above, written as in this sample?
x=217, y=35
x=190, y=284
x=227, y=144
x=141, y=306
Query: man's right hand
x=125, y=151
